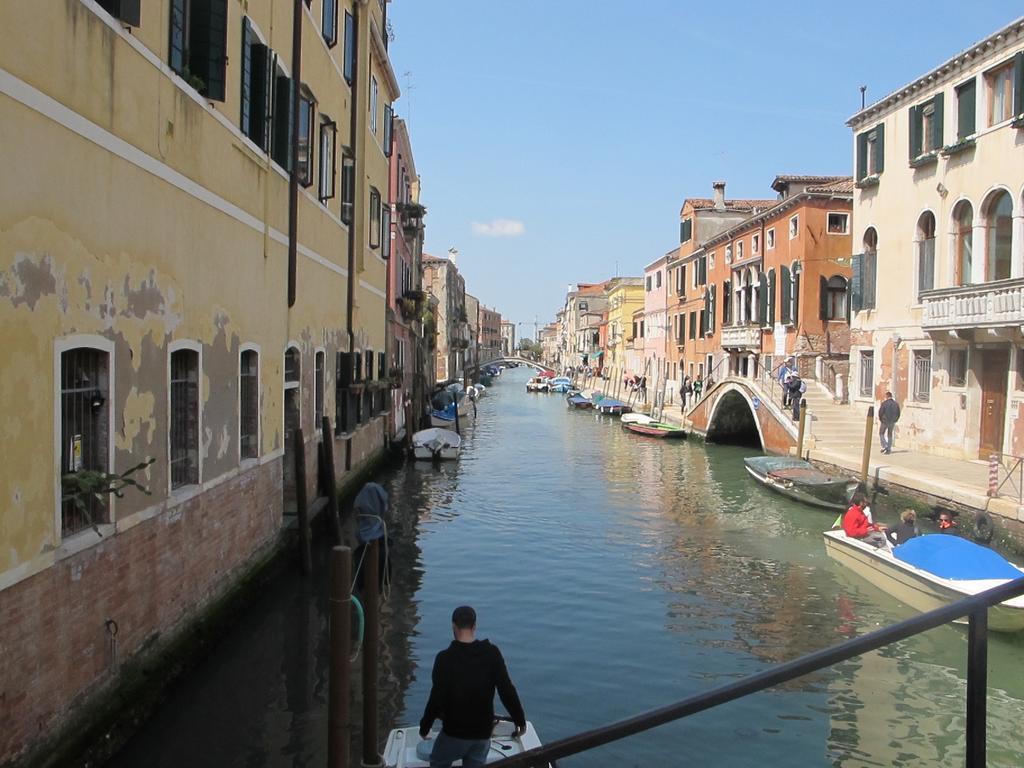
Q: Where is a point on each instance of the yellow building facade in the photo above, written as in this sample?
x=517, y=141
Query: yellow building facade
x=625, y=295
x=159, y=304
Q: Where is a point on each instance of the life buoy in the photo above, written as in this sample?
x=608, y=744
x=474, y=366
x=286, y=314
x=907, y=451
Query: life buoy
x=984, y=529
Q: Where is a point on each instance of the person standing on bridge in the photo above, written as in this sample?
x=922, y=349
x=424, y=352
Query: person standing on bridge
x=888, y=415
x=465, y=676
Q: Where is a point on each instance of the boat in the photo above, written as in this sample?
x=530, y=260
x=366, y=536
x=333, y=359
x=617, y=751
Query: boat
x=656, y=429
x=576, y=400
x=801, y=480
x=560, y=384
x=636, y=418
x=609, y=405
x=444, y=418
x=537, y=384
x=405, y=748
x=931, y=571
x=436, y=444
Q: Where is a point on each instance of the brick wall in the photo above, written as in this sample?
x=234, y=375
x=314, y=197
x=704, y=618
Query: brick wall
x=151, y=578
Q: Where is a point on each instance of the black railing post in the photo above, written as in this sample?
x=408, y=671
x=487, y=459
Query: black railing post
x=977, y=687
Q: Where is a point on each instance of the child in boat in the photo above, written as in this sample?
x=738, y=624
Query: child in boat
x=906, y=530
x=857, y=526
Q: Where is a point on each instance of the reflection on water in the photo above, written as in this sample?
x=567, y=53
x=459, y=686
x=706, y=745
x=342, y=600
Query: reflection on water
x=618, y=574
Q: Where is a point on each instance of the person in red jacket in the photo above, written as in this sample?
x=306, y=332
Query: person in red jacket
x=857, y=526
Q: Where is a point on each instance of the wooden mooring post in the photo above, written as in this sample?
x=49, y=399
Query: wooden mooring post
x=800, y=432
x=340, y=616
x=371, y=607
x=301, y=501
x=332, y=482
x=869, y=421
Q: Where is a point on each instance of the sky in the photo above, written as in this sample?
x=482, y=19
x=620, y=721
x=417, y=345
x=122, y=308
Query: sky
x=556, y=141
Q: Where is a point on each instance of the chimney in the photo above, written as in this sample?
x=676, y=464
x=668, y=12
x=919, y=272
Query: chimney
x=719, y=187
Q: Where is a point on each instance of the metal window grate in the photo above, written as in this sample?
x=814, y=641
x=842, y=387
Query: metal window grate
x=958, y=367
x=84, y=429
x=867, y=373
x=922, y=375
x=249, y=404
x=184, y=418
x=318, y=390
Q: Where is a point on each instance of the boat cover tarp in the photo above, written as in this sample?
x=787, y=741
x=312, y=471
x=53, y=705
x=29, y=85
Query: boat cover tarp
x=371, y=505
x=578, y=400
x=611, y=402
x=795, y=470
x=952, y=557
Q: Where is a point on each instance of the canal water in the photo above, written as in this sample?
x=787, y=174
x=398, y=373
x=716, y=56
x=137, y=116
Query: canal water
x=617, y=574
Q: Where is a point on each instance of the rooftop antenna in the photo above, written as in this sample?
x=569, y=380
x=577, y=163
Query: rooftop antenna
x=863, y=90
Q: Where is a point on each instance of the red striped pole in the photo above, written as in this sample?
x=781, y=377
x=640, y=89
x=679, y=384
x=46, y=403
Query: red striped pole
x=993, y=475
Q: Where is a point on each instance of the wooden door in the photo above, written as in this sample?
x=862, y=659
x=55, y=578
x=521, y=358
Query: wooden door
x=995, y=365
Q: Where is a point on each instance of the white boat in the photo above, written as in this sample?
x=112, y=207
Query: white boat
x=537, y=384
x=636, y=418
x=955, y=568
x=405, y=748
x=436, y=443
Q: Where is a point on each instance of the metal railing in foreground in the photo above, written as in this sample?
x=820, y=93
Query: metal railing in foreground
x=975, y=607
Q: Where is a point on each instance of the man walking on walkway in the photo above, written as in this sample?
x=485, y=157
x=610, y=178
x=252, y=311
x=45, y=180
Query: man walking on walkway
x=888, y=415
x=465, y=676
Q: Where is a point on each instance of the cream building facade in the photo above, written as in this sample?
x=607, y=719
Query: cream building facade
x=159, y=302
x=938, y=265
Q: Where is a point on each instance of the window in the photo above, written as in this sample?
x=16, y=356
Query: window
x=702, y=270
x=184, y=432
x=926, y=127
x=794, y=226
x=329, y=23
x=257, y=81
x=755, y=244
x=966, y=109
x=349, y=65
x=373, y=104
x=657, y=279
x=922, y=375
x=375, y=219
x=838, y=223
x=925, y=252
x=385, y=228
x=292, y=366
x=281, y=133
x=999, y=234
x=306, y=108
x=85, y=429
x=198, y=44
x=833, y=298
x=867, y=373
x=862, y=288
x=389, y=119
x=318, y=390
x=769, y=239
x=248, y=404
x=728, y=254
x=693, y=325
x=344, y=402
x=348, y=187
x=328, y=142
x=958, y=367
x=123, y=10
x=963, y=242
x=685, y=230
x=1000, y=93
x=710, y=265
x=739, y=250
x=647, y=286
x=871, y=152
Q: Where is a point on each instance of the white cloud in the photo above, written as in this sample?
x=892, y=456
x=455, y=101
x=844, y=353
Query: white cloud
x=499, y=228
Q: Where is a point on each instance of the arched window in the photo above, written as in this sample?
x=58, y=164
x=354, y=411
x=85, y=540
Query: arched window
x=925, y=240
x=999, y=229
x=963, y=242
x=833, y=298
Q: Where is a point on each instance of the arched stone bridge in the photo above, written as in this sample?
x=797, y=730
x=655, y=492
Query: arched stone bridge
x=735, y=410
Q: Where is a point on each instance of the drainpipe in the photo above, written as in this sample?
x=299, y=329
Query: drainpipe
x=293, y=177
x=353, y=138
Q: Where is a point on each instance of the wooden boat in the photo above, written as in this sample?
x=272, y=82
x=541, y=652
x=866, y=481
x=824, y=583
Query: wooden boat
x=609, y=405
x=636, y=418
x=655, y=429
x=436, y=444
x=578, y=401
x=801, y=480
x=931, y=571
x=560, y=384
x=405, y=748
x=537, y=384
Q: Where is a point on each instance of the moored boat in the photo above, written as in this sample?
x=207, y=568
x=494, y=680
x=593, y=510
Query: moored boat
x=537, y=384
x=609, y=405
x=405, y=748
x=636, y=418
x=656, y=429
x=560, y=384
x=801, y=480
x=578, y=401
x=436, y=444
x=931, y=571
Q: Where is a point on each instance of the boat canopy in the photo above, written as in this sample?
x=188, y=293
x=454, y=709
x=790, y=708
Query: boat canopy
x=951, y=557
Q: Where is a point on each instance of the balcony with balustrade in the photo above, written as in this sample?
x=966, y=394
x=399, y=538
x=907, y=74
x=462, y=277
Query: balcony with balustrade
x=986, y=305
x=746, y=336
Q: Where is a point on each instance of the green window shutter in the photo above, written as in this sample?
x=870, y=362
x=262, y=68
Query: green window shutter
x=349, y=66
x=208, y=28
x=786, y=281
x=762, y=299
x=702, y=278
x=1018, y=84
x=862, y=155
x=682, y=328
x=726, y=293
x=914, y=145
x=771, y=296
x=822, y=298
x=856, y=282
x=711, y=310
x=880, y=148
x=870, y=275
x=965, y=106
x=281, y=138
x=176, y=49
x=682, y=291
x=245, y=123
x=938, y=104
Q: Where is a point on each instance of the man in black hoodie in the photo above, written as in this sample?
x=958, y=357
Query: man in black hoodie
x=465, y=676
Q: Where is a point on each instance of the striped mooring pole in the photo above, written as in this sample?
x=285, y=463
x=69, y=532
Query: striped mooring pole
x=993, y=475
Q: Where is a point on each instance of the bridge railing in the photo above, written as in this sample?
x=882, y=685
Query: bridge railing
x=974, y=607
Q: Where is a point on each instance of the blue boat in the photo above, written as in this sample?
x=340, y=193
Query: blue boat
x=609, y=405
x=578, y=401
